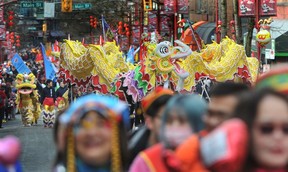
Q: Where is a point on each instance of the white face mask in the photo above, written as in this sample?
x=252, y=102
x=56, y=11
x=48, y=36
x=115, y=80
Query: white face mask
x=176, y=135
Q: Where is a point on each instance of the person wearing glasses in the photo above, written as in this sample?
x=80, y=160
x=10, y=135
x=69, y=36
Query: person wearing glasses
x=265, y=113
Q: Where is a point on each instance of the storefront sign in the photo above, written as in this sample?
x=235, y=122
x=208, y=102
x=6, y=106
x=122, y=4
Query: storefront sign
x=246, y=8
x=268, y=7
x=152, y=21
x=183, y=6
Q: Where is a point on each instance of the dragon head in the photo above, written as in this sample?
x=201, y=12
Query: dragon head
x=166, y=58
x=25, y=83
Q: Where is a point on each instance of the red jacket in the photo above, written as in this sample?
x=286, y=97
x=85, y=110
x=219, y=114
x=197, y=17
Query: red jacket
x=3, y=98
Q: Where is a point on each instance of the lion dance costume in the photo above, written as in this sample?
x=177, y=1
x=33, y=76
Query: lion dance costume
x=27, y=99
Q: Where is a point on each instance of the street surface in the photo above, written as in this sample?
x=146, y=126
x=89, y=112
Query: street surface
x=38, y=148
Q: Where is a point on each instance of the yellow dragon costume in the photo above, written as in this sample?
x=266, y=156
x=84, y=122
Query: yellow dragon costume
x=27, y=99
x=176, y=67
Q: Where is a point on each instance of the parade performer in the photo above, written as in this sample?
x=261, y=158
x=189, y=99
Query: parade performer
x=27, y=99
x=107, y=119
x=48, y=99
x=62, y=97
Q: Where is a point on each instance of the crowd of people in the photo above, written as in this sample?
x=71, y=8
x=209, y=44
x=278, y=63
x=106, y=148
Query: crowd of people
x=241, y=129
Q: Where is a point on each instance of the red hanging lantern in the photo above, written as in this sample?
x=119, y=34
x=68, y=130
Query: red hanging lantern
x=17, y=37
x=18, y=45
x=120, y=23
x=17, y=41
x=127, y=34
x=127, y=29
x=10, y=23
x=10, y=17
x=91, y=17
x=12, y=41
x=11, y=12
x=11, y=36
x=125, y=25
x=12, y=33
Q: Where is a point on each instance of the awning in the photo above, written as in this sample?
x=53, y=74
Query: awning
x=279, y=33
x=57, y=34
x=206, y=32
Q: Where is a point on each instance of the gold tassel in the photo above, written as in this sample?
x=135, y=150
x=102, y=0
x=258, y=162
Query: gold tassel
x=116, y=152
x=70, y=151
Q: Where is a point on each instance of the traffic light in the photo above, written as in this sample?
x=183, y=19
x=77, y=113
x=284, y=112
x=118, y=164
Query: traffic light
x=147, y=5
x=66, y=6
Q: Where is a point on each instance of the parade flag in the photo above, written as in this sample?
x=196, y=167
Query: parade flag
x=49, y=71
x=130, y=55
x=19, y=64
x=106, y=28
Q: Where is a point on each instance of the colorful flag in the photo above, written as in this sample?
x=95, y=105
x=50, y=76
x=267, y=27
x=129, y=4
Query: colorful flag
x=106, y=29
x=130, y=55
x=49, y=71
x=19, y=64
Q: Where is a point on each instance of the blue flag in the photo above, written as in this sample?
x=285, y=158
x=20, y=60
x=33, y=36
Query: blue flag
x=130, y=55
x=49, y=71
x=19, y=64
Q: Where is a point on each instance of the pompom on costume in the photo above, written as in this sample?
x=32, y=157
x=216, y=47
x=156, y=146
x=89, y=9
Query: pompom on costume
x=27, y=99
x=276, y=78
x=117, y=115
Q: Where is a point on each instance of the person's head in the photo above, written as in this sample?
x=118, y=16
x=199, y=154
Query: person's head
x=266, y=114
x=90, y=89
x=62, y=84
x=276, y=78
x=224, y=97
x=153, y=105
x=181, y=118
x=97, y=124
x=49, y=83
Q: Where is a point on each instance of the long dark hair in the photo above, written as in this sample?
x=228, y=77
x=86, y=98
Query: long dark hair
x=247, y=110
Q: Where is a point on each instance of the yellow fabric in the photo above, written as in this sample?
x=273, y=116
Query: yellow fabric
x=220, y=61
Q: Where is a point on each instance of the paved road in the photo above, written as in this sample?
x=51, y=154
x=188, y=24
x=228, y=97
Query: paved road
x=38, y=148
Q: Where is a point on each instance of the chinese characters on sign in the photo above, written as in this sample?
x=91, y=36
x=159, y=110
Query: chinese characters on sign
x=268, y=8
x=247, y=8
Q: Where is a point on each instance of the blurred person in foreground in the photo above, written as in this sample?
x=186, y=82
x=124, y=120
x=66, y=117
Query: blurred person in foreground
x=265, y=113
x=145, y=136
x=95, y=129
x=181, y=118
x=224, y=97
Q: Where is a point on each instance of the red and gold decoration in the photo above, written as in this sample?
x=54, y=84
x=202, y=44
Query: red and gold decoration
x=263, y=37
x=18, y=41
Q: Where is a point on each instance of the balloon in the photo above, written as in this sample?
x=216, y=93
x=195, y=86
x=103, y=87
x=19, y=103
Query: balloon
x=10, y=149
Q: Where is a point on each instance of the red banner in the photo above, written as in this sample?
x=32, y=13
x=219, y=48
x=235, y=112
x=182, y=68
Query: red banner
x=183, y=6
x=164, y=23
x=169, y=6
x=136, y=35
x=246, y=8
x=268, y=8
x=152, y=21
x=2, y=26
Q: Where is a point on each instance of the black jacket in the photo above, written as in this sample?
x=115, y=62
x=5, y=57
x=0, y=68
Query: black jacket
x=138, y=142
x=48, y=92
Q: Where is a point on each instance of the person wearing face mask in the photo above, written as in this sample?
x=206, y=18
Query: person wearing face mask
x=181, y=118
x=265, y=113
x=146, y=136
